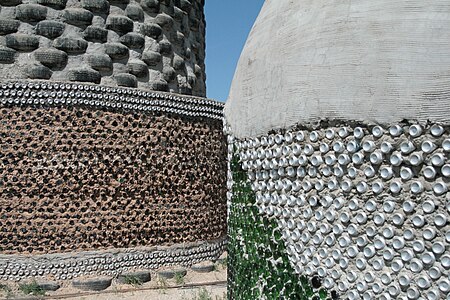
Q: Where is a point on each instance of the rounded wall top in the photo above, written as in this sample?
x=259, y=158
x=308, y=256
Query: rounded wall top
x=376, y=61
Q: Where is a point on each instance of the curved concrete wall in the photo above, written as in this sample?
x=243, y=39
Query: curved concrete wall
x=151, y=44
x=339, y=112
x=372, y=61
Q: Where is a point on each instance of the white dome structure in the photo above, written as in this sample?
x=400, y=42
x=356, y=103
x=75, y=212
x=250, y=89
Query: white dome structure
x=340, y=114
x=374, y=61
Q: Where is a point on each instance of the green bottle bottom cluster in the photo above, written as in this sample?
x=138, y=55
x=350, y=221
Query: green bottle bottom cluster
x=258, y=265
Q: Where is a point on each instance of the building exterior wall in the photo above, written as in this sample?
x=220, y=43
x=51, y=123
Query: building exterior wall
x=338, y=112
x=92, y=173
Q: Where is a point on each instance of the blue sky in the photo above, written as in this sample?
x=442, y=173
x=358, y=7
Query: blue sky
x=228, y=23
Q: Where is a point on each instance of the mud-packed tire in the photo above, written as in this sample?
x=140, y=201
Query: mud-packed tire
x=48, y=285
x=133, y=40
x=164, y=20
x=166, y=47
x=22, y=42
x=169, y=73
x=95, y=34
x=7, y=55
x=100, y=62
x=138, y=68
x=135, y=12
x=204, y=267
x=84, y=75
x=124, y=79
x=116, y=50
x=151, y=58
x=70, y=45
x=51, y=57
x=92, y=284
x=119, y=24
x=97, y=6
x=151, y=30
x=170, y=273
x=10, y=2
x=31, y=12
x=56, y=4
x=151, y=6
x=160, y=85
x=8, y=26
x=138, y=277
x=78, y=16
x=38, y=71
x=50, y=29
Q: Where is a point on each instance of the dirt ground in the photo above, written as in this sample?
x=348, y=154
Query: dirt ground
x=194, y=286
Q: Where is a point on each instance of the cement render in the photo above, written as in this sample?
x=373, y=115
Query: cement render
x=370, y=61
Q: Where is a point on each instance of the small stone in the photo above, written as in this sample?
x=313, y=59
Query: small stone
x=134, y=12
x=8, y=26
x=116, y=50
x=31, y=12
x=83, y=74
x=137, y=68
x=100, y=62
x=151, y=58
x=38, y=71
x=22, y=42
x=56, y=4
x=152, y=30
x=133, y=40
x=50, y=29
x=78, y=16
x=70, y=45
x=51, y=57
x=97, y=6
x=119, y=24
x=7, y=55
x=95, y=34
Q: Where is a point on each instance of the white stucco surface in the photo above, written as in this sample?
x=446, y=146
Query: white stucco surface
x=368, y=60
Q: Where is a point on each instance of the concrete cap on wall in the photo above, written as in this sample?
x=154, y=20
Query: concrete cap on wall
x=374, y=61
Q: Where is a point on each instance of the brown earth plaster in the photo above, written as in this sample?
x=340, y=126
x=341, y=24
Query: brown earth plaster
x=78, y=179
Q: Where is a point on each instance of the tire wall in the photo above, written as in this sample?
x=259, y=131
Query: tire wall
x=151, y=44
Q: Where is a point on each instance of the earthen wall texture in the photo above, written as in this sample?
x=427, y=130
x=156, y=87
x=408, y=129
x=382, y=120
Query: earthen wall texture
x=151, y=44
x=76, y=177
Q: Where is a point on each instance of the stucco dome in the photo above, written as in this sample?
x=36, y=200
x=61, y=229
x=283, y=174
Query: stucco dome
x=376, y=61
